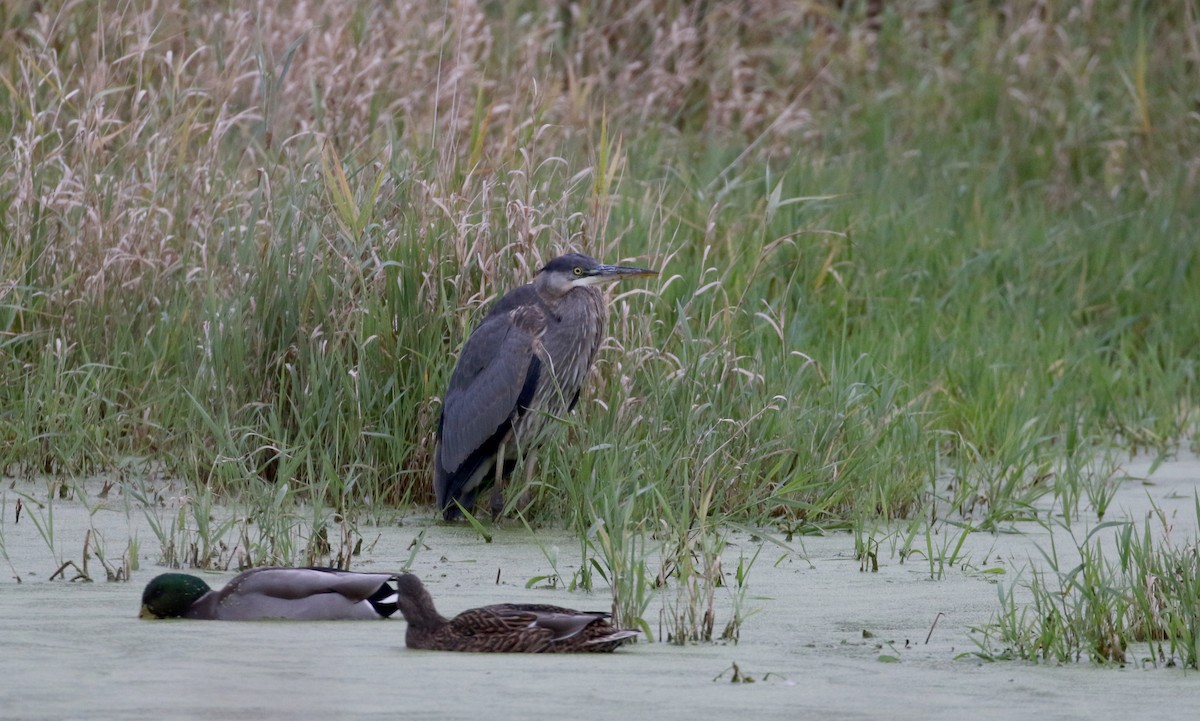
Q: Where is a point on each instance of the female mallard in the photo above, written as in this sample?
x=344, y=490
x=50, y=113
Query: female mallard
x=503, y=628
x=296, y=594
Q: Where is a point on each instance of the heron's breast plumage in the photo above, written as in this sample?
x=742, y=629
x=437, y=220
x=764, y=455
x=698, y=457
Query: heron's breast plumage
x=574, y=328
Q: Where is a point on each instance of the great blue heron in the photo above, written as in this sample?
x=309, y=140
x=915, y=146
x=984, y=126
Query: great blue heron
x=522, y=365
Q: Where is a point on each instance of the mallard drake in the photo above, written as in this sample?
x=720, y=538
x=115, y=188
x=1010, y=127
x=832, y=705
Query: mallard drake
x=504, y=628
x=297, y=594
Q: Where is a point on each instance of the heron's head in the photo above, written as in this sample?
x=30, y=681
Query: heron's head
x=573, y=270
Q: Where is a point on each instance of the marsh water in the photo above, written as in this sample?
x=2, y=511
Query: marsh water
x=826, y=639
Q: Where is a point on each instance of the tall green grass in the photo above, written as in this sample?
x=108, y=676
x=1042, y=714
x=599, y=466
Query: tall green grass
x=946, y=255
x=1135, y=603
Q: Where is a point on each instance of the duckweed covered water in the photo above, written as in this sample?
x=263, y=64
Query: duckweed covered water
x=78, y=650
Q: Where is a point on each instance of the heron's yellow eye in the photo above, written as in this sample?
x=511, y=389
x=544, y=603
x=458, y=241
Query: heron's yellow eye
x=578, y=270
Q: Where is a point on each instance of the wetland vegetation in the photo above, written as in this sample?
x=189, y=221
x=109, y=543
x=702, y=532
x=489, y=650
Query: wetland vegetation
x=934, y=267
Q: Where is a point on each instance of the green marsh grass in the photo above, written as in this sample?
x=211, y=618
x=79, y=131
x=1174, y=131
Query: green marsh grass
x=740, y=584
x=3, y=544
x=908, y=261
x=41, y=515
x=1132, y=601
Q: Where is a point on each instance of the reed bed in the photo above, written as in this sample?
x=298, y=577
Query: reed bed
x=915, y=256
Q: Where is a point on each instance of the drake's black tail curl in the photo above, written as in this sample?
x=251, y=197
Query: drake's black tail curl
x=386, y=600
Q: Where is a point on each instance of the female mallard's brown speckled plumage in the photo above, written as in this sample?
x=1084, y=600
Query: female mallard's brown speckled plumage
x=505, y=627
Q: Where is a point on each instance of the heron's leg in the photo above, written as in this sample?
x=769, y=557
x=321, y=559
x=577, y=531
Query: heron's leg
x=527, y=496
x=498, y=485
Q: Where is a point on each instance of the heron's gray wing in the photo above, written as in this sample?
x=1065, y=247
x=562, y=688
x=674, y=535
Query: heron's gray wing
x=487, y=384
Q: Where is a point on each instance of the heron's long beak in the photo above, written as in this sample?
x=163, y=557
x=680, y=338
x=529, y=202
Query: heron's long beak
x=608, y=273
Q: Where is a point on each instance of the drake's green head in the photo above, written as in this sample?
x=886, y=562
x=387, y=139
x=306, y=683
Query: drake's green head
x=171, y=595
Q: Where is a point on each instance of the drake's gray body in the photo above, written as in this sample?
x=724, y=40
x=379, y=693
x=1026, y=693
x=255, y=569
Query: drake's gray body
x=296, y=594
